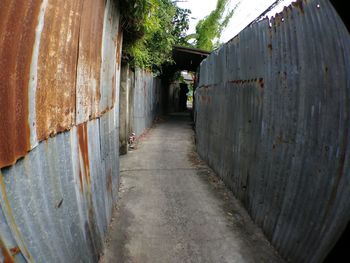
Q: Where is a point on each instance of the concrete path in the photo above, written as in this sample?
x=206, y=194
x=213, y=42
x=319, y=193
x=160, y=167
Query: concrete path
x=172, y=208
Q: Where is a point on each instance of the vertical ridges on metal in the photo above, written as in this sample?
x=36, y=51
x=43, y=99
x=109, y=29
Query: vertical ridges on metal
x=273, y=120
x=59, y=108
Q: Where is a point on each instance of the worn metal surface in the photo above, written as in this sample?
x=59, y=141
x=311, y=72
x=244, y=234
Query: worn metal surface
x=56, y=68
x=59, y=66
x=111, y=50
x=124, y=108
x=89, y=60
x=272, y=119
x=17, y=36
x=9, y=250
x=131, y=84
x=56, y=202
x=146, y=100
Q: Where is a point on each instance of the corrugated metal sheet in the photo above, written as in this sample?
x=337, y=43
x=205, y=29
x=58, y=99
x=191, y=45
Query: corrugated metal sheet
x=56, y=68
x=110, y=71
x=146, y=100
x=9, y=250
x=131, y=84
x=56, y=202
x=59, y=67
x=89, y=60
x=17, y=31
x=272, y=119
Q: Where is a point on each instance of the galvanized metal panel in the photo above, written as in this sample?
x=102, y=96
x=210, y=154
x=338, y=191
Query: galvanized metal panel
x=9, y=250
x=110, y=41
x=146, y=101
x=273, y=120
x=17, y=31
x=60, y=215
x=109, y=153
x=56, y=202
x=33, y=80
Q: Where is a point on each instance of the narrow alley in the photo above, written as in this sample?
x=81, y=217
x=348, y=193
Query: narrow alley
x=173, y=208
x=255, y=168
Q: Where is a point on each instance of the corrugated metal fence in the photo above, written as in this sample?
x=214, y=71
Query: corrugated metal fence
x=272, y=119
x=146, y=101
x=59, y=77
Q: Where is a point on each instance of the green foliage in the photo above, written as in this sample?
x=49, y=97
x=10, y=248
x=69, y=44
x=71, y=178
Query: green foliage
x=209, y=29
x=181, y=24
x=151, y=28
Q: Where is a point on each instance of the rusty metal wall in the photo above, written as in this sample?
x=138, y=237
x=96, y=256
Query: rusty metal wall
x=59, y=113
x=15, y=59
x=146, y=101
x=272, y=119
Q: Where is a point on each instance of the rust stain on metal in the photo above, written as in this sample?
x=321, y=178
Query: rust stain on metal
x=81, y=180
x=269, y=46
x=299, y=5
x=84, y=149
x=113, y=90
x=17, y=30
x=7, y=257
x=14, y=251
x=11, y=219
x=55, y=95
x=261, y=82
x=89, y=60
x=258, y=81
x=278, y=19
x=119, y=43
x=109, y=182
